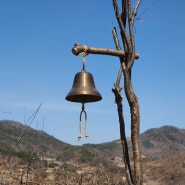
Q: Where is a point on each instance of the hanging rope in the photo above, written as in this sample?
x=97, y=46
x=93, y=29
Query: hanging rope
x=85, y=125
x=84, y=59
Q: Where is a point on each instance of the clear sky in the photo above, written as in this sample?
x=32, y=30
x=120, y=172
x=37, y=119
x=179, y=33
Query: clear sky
x=37, y=65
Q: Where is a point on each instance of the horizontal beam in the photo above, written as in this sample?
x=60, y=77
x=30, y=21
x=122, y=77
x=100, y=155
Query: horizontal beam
x=77, y=49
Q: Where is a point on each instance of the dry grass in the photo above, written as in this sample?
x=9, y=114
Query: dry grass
x=14, y=174
x=167, y=171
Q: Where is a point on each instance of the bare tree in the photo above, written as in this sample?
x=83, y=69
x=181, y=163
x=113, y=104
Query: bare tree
x=127, y=56
x=126, y=18
x=24, y=131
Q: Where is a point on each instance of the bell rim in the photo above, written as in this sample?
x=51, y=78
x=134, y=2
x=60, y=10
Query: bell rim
x=85, y=98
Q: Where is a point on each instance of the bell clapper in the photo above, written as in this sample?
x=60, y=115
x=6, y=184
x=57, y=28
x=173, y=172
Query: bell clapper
x=85, y=125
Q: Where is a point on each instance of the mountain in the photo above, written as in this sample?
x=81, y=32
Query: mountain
x=19, y=140
x=156, y=143
x=164, y=141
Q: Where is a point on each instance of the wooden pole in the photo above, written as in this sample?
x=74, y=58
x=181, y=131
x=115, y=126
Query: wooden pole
x=77, y=49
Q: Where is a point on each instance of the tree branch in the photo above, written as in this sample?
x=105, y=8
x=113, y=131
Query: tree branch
x=122, y=26
x=118, y=100
x=135, y=10
x=124, y=13
x=77, y=49
x=116, y=40
x=131, y=33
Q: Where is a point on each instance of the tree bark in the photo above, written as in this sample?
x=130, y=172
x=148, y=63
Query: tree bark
x=118, y=100
x=135, y=127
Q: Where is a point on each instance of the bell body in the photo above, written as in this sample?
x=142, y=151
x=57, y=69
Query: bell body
x=83, y=89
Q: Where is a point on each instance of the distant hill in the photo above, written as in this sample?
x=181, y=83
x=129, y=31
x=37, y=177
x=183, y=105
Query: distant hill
x=46, y=146
x=163, y=141
x=155, y=143
x=25, y=138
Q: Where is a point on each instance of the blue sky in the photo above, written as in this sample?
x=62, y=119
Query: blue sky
x=37, y=65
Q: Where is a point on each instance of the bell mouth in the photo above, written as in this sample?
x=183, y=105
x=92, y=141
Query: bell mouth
x=83, y=98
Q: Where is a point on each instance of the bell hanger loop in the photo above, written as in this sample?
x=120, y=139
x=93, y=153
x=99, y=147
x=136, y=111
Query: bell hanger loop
x=83, y=59
x=85, y=124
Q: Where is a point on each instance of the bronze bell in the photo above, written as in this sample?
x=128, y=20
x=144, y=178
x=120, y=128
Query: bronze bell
x=83, y=89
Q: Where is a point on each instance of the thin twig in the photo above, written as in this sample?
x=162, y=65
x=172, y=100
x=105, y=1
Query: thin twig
x=29, y=122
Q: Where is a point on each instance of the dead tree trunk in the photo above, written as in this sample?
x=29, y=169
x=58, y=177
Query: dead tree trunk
x=127, y=18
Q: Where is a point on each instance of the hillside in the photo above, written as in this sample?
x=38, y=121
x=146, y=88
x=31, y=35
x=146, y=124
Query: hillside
x=156, y=143
x=162, y=142
x=46, y=146
x=163, y=154
x=23, y=138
